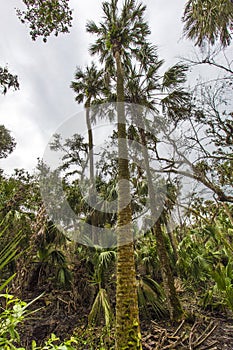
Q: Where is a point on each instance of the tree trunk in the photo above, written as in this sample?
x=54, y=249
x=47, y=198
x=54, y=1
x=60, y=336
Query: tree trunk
x=173, y=302
x=174, y=306
x=90, y=141
x=173, y=241
x=127, y=314
x=92, y=193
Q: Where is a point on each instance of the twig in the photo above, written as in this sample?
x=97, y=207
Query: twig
x=178, y=328
x=200, y=340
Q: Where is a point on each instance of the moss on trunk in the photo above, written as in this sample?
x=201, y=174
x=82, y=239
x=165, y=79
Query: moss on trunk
x=128, y=334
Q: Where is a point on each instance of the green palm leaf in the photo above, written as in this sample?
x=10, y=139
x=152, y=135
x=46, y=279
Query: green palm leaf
x=9, y=252
x=151, y=296
x=208, y=20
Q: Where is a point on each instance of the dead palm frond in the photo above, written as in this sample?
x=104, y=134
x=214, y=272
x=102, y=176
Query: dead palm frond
x=101, y=309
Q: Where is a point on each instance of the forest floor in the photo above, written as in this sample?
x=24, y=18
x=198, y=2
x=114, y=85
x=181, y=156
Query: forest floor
x=204, y=333
x=58, y=315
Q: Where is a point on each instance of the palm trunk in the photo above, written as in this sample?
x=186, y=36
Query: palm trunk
x=127, y=315
x=173, y=242
x=92, y=194
x=90, y=141
x=174, y=306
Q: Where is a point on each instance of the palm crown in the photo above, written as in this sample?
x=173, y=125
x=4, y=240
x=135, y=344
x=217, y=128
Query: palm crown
x=122, y=32
x=88, y=84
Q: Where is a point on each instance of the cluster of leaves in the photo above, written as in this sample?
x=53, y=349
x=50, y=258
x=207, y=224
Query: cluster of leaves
x=12, y=314
x=51, y=260
x=206, y=255
x=19, y=201
x=19, y=197
x=7, y=142
x=7, y=80
x=46, y=17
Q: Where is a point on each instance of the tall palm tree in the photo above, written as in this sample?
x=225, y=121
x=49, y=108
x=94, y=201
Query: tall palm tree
x=121, y=35
x=144, y=86
x=209, y=21
x=88, y=86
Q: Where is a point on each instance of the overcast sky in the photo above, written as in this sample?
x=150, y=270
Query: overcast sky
x=45, y=71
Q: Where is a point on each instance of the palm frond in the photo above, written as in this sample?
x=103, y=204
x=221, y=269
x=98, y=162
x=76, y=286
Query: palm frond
x=151, y=296
x=101, y=310
x=91, y=27
x=5, y=283
x=208, y=21
x=174, y=76
x=9, y=252
x=126, y=28
x=177, y=105
x=106, y=257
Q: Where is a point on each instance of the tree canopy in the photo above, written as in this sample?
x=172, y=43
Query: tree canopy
x=45, y=17
x=7, y=142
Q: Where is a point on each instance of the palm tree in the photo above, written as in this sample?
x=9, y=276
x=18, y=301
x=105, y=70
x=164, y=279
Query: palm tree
x=120, y=38
x=209, y=21
x=145, y=87
x=89, y=85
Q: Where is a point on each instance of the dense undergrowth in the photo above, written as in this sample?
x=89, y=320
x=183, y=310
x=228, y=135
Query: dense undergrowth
x=78, y=304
